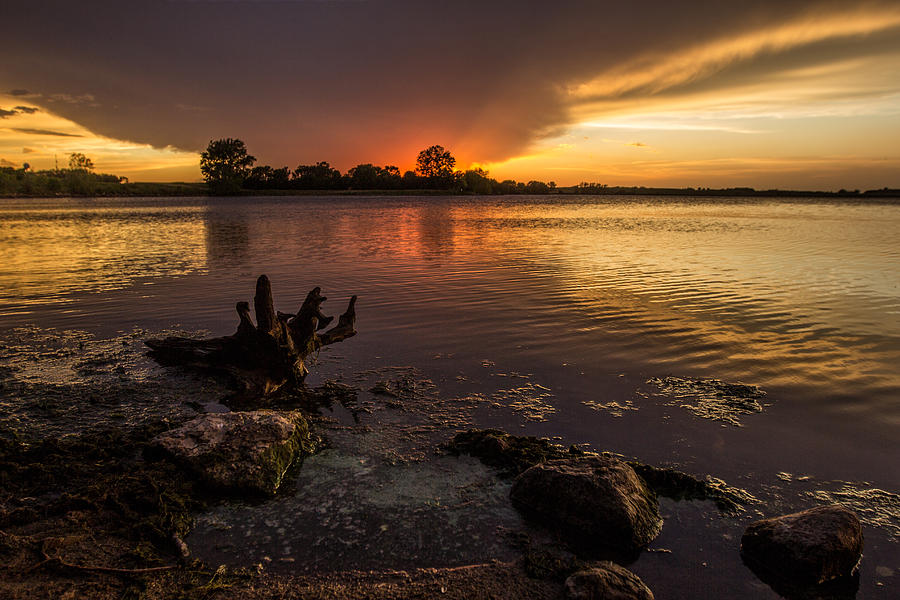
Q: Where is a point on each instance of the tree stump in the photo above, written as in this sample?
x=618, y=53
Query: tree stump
x=263, y=358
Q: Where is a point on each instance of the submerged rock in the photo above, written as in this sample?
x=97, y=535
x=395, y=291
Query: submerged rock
x=509, y=454
x=606, y=581
x=513, y=454
x=676, y=485
x=598, y=502
x=239, y=451
x=805, y=548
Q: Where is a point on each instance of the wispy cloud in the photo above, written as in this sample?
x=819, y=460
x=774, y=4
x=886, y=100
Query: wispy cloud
x=45, y=132
x=656, y=72
x=658, y=123
x=18, y=110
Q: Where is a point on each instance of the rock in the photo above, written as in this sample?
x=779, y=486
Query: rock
x=676, y=485
x=239, y=451
x=509, y=454
x=805, y=548
x=606, y=581
x=597, y=501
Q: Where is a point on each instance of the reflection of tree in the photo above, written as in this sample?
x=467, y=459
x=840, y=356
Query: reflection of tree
x=227, y=236
x=436, y=234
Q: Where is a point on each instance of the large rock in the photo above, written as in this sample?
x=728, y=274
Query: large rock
x=606, y=581
x=808, y=547
x=597, y=501
x=239, y=451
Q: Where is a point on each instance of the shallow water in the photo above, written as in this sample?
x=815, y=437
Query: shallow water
x=560, y=315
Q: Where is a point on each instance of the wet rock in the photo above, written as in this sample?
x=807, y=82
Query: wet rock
x=598, y=502
x=606, y=581
x=239, y=451
x=510, y=454
x=676, y=485
x=804, y=548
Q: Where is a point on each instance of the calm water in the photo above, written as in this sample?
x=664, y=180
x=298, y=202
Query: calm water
x=587, y=298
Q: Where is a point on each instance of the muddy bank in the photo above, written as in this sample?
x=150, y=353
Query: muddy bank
x=406, y=498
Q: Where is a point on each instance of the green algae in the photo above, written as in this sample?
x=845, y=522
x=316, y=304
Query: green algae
x=614, y=408
x=531, y=400
x=711, y=398
x=280, y=458
x=509, y=454
x=873, y=506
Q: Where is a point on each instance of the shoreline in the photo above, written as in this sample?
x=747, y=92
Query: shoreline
x=198, y=190
x=384, y=427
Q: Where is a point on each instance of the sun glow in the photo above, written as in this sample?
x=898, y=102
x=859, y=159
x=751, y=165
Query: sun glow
x=740, y=111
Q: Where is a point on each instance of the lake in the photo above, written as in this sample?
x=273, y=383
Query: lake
x=609, y=321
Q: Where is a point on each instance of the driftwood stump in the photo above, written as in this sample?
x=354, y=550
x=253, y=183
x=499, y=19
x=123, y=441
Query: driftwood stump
x=263, y=358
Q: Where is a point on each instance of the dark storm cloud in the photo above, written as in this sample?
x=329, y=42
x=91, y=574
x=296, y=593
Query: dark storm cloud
x=7, y=113
x=349, y=81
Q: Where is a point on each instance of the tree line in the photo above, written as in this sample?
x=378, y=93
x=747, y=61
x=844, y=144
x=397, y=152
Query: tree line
x=79, y=179
x=228, y=168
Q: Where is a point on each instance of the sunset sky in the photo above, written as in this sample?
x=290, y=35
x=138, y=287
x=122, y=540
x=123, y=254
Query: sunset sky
x=789, y=94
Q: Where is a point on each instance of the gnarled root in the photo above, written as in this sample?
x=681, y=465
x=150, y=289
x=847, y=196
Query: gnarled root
x=261, y=358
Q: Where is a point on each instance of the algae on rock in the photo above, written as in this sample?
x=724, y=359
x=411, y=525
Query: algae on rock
x=239, y=451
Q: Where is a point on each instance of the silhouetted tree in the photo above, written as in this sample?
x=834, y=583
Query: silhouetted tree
x=372, y=177
x=507, y=186
x=265, y=177
x=411, y=180
x=477, y=181
x=435, y=164
x=363, y=177
x=435, y=161
x=537, y=187
x=78, y=161
x=225, y=165
x=390, y=177
x=320, y=176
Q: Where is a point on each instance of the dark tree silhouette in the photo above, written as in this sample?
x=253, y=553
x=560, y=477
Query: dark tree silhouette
x=320, y=176
x=225, y=165
x=80, y=162
x=477, y=181
x=267, y=178
x=435, y=161
x=371, y=177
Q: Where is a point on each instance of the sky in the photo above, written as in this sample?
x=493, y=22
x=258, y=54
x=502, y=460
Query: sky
x=788, y=94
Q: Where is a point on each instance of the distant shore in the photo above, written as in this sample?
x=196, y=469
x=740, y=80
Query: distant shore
x=184, y=189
